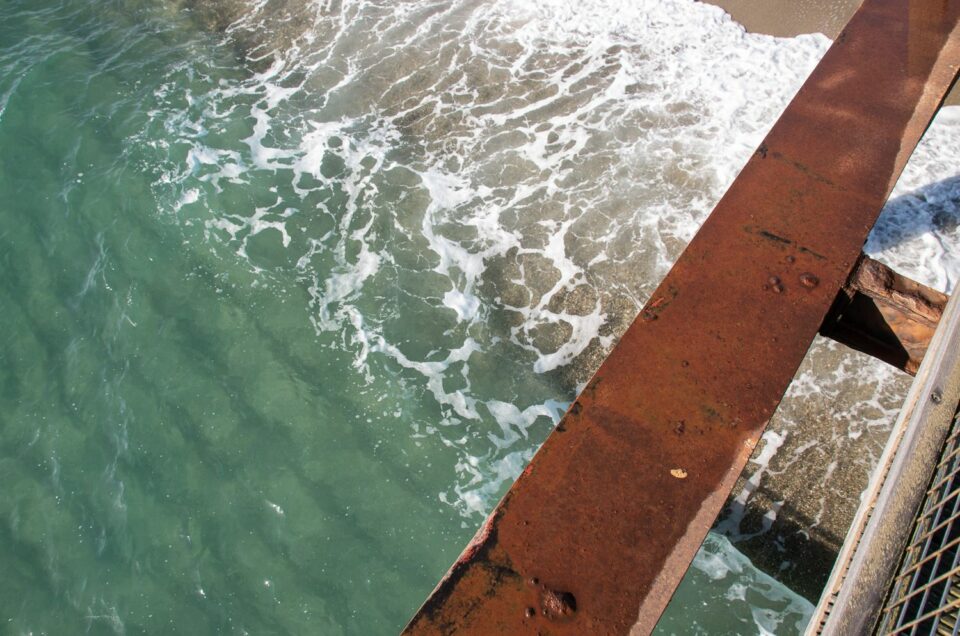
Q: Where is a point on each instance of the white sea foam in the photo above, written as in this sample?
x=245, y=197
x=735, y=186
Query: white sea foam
x=737, y=595
x=524, y=173
x=919, y=231
x=730, y=526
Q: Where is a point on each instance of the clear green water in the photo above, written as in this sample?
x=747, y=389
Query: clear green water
x=235, y=396
x=180, y=451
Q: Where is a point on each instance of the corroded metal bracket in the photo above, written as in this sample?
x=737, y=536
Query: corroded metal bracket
x=597, y=532
x=885, y=315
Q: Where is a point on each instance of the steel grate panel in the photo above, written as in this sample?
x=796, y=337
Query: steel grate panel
x=924, y=596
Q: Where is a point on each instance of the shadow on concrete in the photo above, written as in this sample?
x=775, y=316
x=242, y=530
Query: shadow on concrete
x=794, y=549
x=935, y=207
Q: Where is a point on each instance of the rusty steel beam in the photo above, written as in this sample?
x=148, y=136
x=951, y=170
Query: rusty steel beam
x=885, y=315
x=598, y=530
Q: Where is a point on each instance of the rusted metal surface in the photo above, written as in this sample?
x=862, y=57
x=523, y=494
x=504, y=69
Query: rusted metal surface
x=885, y=315
x=600, y=527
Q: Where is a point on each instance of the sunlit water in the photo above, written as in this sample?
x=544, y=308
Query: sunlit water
x=290, y=292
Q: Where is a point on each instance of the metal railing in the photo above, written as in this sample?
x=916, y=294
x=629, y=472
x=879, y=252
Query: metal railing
x=925, y=596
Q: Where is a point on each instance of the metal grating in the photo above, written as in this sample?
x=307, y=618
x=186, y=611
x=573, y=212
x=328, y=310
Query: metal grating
x=925, y=594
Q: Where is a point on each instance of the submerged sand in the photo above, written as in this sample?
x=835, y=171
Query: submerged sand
x=788, y=18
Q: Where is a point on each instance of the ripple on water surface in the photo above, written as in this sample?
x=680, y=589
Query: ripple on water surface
x=293, y=291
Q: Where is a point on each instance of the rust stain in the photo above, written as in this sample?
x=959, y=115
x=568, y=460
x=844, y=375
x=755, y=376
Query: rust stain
x=784, y=243
x=598, y=520
x=886, y=315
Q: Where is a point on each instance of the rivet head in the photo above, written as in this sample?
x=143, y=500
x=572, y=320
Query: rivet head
x=808, y=280
x=557, y=605
x=937, y=396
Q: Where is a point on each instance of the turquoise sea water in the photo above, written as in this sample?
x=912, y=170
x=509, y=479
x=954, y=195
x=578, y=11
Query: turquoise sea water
x=290, y=295
x=181, y=451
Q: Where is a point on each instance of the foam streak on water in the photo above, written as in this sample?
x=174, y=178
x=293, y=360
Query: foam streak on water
x=549, y=163
x=318, y=281
x=524, y=175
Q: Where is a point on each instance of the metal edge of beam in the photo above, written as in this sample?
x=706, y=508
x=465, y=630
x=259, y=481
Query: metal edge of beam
x=872, y=550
